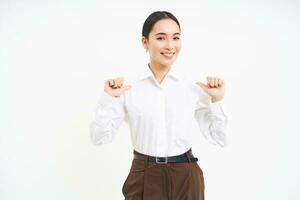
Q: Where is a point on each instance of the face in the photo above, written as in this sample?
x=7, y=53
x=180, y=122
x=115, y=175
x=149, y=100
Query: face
x=163, y=43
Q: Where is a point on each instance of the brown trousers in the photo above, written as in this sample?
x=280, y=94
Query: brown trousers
x=172, y=181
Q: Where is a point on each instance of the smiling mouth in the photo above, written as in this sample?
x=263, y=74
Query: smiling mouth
x=169, y=54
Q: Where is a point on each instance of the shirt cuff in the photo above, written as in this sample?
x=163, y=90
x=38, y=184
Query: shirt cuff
x=107, y=99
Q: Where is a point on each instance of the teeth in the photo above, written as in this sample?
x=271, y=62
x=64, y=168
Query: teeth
x=168, y=54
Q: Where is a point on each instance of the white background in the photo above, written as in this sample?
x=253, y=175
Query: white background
x=56, y=55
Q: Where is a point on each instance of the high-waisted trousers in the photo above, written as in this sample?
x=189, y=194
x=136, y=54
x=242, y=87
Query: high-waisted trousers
x=172, y=181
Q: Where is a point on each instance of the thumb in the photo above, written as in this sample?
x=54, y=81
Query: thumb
x=201, y=85
x=126, y=87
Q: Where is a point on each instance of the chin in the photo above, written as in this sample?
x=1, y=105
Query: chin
x=168, y=63
x=165, y=63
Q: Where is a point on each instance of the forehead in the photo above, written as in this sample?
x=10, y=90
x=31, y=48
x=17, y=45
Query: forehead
x=167, y=26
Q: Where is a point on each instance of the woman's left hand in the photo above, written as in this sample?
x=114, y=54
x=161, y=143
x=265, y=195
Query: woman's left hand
x=215, y=87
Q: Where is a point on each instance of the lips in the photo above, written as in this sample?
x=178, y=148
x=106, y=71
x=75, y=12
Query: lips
x=168, y=54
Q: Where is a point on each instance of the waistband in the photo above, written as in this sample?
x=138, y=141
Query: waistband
x=185, y=157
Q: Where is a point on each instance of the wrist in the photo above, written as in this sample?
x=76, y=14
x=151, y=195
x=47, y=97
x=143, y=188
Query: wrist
x=216, y=99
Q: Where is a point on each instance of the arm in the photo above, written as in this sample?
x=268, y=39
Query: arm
x=108, y=117
x=209, y=113
x=211, y=120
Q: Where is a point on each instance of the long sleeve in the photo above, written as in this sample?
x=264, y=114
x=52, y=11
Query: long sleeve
x=211, y=120
x=109, y=115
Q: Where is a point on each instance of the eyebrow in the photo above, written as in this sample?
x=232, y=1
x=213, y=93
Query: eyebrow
x=166, y=34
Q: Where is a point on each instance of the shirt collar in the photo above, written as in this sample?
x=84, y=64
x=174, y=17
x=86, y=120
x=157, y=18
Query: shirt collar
x=146, y=73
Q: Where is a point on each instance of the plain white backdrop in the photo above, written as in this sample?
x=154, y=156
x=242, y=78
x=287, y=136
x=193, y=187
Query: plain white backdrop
x=56, y=55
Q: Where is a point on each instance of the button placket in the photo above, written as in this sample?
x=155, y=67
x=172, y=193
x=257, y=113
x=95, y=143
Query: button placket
x=164, y=121
x=168, y=135
x=162, y=137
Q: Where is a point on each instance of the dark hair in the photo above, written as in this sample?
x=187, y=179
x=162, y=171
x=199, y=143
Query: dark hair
x=153, y=18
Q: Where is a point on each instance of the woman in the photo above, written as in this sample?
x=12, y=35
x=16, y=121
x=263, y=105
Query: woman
x=159, y=107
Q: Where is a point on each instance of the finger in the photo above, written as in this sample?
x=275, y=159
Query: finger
x=121, y=82
x=111, y=82
x=208, y=81
x=218, y=82
x=211, y=82
x=215, y=81
x=201, y=84
x=221, y=82
x=106, y=85
x=116, y=83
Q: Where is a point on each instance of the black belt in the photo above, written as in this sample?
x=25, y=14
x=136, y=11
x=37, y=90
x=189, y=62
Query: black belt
x=185, y=157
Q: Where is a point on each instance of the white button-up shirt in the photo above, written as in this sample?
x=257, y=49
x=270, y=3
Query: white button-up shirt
x=159, y=115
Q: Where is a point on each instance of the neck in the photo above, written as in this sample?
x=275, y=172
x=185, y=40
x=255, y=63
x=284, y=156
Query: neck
x=158, y=70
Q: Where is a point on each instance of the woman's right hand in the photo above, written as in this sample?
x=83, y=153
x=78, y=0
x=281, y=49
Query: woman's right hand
x=114, y=87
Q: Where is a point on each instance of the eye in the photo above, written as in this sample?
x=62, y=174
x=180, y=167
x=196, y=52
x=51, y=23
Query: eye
x=160, y=38
x=176, y=38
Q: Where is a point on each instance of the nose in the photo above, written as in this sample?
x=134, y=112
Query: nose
x=169, y=45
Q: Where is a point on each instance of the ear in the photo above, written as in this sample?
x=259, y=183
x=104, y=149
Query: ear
x=144, y=42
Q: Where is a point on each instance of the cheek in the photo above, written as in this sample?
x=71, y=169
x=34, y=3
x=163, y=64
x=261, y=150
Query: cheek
x=156, y=49
x=178, y=46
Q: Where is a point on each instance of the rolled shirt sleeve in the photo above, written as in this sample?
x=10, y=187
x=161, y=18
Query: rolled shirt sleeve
x=108, y=117
x=211, y=120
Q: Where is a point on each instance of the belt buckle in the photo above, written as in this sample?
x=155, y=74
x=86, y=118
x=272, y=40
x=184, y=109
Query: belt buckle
x=157, y=160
